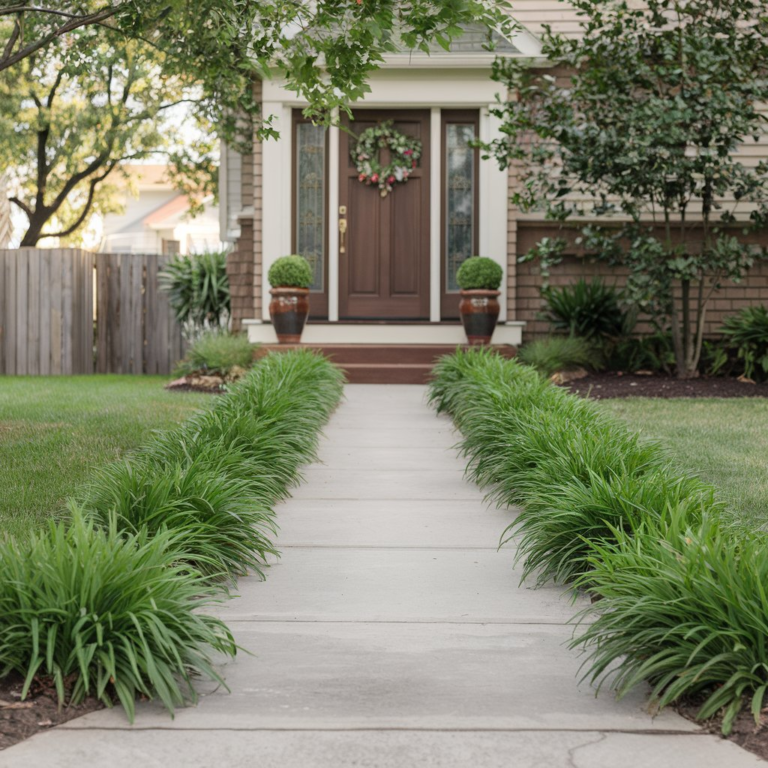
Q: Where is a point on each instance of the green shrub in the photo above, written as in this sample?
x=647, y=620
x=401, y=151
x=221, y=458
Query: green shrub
x=681, y=603
x=747, y=333
x=479, y=273
x=652, y=352
x=106, y=613
x=198, y=289
x=685, y=607
x=560, y=353
x=215, y=479
x=588, y=310
x=290, y=272
x=217, y=351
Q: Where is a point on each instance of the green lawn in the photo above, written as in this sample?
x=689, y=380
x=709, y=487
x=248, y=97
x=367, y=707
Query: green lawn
x=54, y=431
x=724, y=441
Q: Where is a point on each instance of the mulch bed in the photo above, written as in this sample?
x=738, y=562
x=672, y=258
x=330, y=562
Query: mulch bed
x=38, y=712
x=601, y=386
x=748, y=736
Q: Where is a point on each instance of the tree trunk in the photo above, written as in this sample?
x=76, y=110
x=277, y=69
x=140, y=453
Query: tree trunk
x=35, y=229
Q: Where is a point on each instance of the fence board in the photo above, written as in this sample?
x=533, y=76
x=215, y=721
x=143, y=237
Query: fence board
x=9, y=321
x=54, y=303
x=45, y=313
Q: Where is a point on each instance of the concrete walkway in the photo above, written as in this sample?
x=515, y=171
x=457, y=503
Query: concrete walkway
x=391, y=633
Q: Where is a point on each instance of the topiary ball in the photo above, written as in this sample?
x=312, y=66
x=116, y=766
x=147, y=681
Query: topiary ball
x=479, y=273
x=290, y=272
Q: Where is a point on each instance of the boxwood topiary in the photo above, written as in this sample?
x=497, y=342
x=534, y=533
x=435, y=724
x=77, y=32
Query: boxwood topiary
x=290, y=272
x=479, y=272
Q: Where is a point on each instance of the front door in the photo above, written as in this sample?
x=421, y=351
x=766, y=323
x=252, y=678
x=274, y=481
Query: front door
x=384, y=265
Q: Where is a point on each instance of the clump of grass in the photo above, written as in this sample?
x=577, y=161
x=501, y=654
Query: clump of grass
x=215, y=479
x=117, y=612
x=560, y=353
x=685, y=607
x=217, y=351
x=682, y=603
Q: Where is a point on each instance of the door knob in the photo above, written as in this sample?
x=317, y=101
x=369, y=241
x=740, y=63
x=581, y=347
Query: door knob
x=342, y=232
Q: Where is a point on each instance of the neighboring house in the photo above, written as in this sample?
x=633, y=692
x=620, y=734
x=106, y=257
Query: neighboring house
x=158, y=219
x=385, y=266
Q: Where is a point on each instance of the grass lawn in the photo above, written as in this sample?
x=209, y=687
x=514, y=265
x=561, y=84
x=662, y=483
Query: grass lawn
x=724, y=441
x=54, y=431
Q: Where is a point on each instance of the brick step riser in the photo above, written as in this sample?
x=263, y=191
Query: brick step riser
x=386, y=355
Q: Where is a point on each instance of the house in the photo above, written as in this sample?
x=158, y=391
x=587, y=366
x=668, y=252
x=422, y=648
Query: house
x=156, y=217
x=385, y=265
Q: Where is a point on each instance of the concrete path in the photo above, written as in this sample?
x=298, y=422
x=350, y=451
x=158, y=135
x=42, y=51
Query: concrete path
x=391, y=634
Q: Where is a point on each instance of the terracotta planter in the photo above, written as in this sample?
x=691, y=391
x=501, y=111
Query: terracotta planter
x=479, y=312
x=289, y=309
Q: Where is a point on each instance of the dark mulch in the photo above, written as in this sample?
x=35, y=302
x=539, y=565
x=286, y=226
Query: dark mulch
x=745, y=733
x=600, y=386
x=38, y=712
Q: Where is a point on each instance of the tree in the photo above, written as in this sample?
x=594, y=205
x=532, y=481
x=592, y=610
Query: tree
x=644, y=132
x=71, y=113
x=326, y=49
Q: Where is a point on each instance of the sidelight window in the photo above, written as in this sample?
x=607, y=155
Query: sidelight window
x=310, y=169
x=459, y=215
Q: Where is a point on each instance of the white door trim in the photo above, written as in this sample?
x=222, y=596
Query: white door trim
x=435, y=219
x=469, y=90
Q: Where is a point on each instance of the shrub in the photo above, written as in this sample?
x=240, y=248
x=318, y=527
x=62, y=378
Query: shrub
x=684, y=606
x=215, y=478
x=682, y=603
x=290, y=272
x=653, y=352
x=479, y=273
x=217, y=351
x=747, y=333
x=198, y=289
x=106, y=613
x=588, y=310
x=559, y=353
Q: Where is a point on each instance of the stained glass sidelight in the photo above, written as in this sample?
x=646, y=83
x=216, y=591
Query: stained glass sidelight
x=459, y=198
x=310, y=198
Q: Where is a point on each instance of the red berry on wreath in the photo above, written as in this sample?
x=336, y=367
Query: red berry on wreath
x=375, y=177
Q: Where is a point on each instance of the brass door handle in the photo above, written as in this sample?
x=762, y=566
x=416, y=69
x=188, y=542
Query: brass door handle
x=342, y=232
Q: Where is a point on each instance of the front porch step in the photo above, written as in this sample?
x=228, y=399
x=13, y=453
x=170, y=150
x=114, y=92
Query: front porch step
x=386, y=333
x=382, y=363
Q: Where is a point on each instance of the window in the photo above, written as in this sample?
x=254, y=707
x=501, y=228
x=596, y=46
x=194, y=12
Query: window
x=310, y=199
x=459, y=215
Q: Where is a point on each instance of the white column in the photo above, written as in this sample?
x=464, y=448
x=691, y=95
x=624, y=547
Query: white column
x=493, y=206
x=276, y=194
x=435, y=239
x=333, y=224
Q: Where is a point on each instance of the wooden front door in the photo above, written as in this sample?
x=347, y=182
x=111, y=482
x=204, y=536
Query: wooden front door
x=384, y=269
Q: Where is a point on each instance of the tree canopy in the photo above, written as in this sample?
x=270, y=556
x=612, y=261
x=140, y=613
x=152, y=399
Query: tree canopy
x=326, y=49
x=73, y=111
x=643, y=122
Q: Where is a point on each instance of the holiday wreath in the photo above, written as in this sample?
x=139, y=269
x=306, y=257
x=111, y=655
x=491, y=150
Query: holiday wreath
x=404, y=154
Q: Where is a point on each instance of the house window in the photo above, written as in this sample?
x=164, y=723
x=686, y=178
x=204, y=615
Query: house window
x=310, y=169
x=459, y=215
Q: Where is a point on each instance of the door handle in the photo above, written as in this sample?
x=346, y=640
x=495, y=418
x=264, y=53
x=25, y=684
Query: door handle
x=342, y=233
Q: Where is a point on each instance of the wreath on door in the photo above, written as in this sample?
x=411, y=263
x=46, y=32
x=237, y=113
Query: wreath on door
x=404, y=154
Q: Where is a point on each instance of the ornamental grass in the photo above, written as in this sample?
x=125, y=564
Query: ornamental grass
x=679, y=600
x=215, y=479
x=110, y=603
x=114, y=615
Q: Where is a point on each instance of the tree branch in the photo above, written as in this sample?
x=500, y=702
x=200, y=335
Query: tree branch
x=21, y=204
x=76, y=23
x=93, y=183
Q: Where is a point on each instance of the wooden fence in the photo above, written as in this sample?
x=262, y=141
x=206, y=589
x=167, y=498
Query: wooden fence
x=135, y=328
x=48, y=324
x=46, y=311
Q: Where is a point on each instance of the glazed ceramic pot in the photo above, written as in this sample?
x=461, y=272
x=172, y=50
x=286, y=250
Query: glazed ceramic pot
x=479, y=310
x=289, y=309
